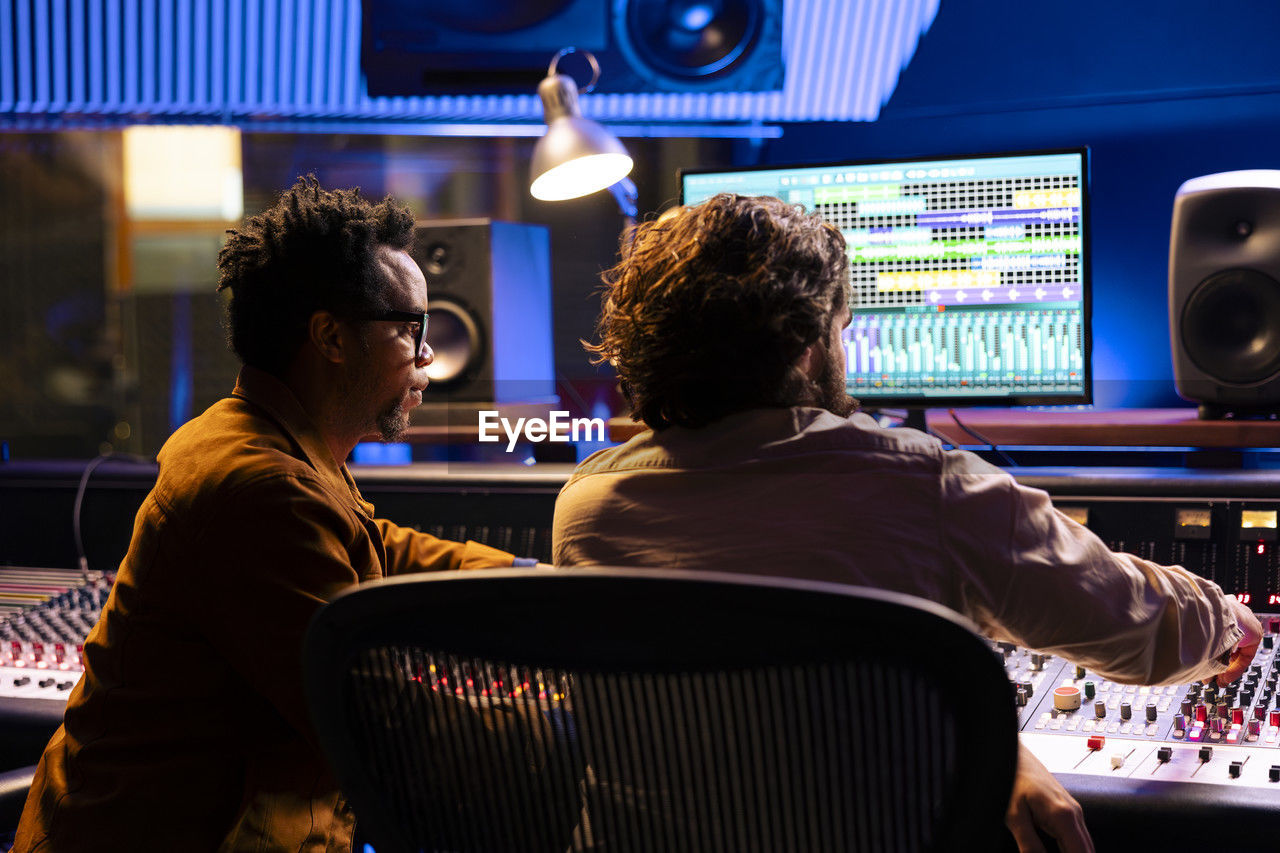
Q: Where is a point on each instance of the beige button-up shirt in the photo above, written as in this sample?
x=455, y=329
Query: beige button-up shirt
x=802, y=493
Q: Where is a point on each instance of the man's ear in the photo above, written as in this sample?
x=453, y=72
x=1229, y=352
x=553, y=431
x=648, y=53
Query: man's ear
x=810, y=362
x=329, y=336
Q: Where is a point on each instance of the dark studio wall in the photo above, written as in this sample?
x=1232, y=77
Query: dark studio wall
x=1159, y=92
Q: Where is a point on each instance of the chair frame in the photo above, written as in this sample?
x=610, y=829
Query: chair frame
x=660, y=620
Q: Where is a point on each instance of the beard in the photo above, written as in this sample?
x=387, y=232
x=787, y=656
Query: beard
x=829, y=386
x=393, y=422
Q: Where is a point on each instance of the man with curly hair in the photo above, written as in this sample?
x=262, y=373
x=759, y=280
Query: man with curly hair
x=724, y=322
x=189, y=729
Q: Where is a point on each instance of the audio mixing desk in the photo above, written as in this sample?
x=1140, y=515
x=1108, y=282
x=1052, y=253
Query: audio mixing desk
x=1168, y=767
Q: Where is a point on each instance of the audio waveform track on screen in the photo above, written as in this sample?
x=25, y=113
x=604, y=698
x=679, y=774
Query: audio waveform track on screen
x=980, y=351
x=968, y=276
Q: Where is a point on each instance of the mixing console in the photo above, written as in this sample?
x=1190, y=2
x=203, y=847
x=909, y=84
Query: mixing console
x=1120, y=729
x=45, y=614
x=1190, y=759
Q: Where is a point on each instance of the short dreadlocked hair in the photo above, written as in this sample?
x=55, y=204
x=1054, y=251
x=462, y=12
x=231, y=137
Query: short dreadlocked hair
x=711, y=306
x=312, y=251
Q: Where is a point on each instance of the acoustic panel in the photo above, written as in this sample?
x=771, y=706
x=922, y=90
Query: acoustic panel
x=95, y=62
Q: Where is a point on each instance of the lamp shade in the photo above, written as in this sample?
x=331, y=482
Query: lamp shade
x=576, y=156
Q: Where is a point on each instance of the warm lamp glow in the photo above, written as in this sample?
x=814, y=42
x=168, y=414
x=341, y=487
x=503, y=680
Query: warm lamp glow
x=183, y=172
x=576, y=156
x=580, y=177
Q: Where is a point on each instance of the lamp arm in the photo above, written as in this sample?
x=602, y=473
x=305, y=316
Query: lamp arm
x=625, y=194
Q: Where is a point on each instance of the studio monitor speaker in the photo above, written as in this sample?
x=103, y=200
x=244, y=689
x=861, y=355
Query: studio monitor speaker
x=446, y=47
x=489, y=296
x=1224, y=292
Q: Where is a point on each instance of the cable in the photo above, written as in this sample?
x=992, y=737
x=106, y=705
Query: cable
x=82, y=561
x=1005, y=456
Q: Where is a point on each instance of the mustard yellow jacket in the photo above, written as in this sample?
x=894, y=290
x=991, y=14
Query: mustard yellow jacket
x=189, y=730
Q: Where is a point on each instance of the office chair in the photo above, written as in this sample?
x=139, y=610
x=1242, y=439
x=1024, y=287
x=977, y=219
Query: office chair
x=647, y=709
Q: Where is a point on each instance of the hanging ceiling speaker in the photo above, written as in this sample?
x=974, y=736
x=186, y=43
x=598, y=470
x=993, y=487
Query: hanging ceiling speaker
x=695, y=46
x=1224, y=292
x=444, y=47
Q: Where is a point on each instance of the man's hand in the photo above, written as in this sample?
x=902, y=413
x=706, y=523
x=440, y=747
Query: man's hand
x=1039, y=802
x=1244, y=651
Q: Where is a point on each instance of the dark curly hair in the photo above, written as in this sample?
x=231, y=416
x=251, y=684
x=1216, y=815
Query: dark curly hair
x=711, y=306
x=313, y=250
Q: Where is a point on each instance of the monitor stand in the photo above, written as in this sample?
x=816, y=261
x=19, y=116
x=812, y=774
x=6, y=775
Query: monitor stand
x=915, y=419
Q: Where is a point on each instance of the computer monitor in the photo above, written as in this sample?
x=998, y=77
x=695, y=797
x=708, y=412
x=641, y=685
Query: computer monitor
x=970, y=274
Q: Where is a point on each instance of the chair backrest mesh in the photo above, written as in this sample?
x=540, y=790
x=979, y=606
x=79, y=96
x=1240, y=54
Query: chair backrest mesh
x=645, y=710
x=475, y=754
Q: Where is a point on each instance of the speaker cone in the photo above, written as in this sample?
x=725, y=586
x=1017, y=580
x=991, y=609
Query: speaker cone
x=1230, y=327
x=454, y=336
x=690, y=39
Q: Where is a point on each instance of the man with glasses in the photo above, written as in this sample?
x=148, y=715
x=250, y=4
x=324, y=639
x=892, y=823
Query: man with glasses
x=189, y=729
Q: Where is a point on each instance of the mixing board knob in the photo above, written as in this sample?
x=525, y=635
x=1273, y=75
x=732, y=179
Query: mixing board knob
x=1273, y=626
x=1222, y=709
x=1026, y=686
x=1126, y=711
x=1246, y=697
x=1066, y=698
x=1206, y=753
x=1217, y=724
x=23, y=681
x=1274, y=773
x=1237, y=716
x=1095, y=742
x=1089, y=690
x=46, y=682
x=1231, y=690
x=1273, y=718
x=1234, y=769
x=1151, y=712
x=1020, y=697
x=1268, y=641
x=1079, y=672
x=1259, y=712
x=1201, y=712
x=1037, y=661
x=1210, y=695
x=1164, y=754
x=1099, y=709
x=1255, y=729
x=1186, y=707
x=1179, y=725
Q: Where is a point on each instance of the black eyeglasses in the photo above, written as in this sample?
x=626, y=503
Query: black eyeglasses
x=417, y=318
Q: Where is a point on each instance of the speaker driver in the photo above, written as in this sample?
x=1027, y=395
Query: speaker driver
x=1231, y=326
x=692, y=39
x=455, y=338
